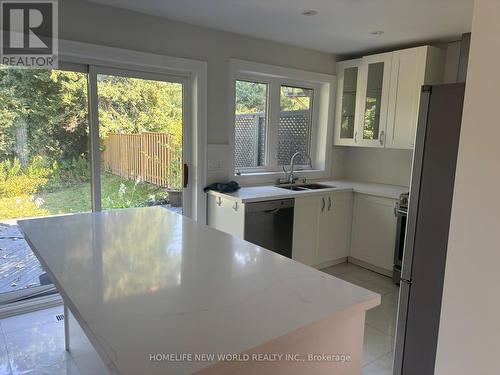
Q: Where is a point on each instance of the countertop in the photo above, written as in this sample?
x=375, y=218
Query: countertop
x=270, y=192
x=146, y=280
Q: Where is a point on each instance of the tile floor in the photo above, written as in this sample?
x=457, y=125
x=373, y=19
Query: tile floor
x=380, y=324
x=34, y=343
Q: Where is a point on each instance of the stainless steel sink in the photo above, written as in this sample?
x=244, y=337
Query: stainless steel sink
x=316, y=186
x=293, y=187
x=305, y=187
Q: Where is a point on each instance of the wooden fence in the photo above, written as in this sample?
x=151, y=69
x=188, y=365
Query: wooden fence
x=150, y=156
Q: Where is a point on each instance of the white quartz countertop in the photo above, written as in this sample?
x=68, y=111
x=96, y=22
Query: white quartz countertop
x=270, y=192
x=146, y=280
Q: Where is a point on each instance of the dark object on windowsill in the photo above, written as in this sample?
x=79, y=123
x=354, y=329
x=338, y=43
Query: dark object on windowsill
x=223, y=187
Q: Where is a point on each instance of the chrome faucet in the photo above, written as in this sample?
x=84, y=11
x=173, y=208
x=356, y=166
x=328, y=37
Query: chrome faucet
x=291, y=177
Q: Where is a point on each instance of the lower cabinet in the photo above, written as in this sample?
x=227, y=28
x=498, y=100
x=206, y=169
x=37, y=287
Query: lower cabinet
x=305, y=229
x=226, y=215
x=327, y=228
x=374, y=231
x=322, y=227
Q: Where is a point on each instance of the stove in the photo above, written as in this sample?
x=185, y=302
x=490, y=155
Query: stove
x=401, y=212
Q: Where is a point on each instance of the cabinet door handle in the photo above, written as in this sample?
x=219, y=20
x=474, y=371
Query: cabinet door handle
x=382, y=136
x=329, y=203
x=322, y=204
x=355, y=136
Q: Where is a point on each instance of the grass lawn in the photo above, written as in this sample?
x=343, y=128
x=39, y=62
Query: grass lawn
x=116, y=193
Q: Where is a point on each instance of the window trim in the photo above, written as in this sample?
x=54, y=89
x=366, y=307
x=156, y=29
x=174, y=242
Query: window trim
x=321, y=135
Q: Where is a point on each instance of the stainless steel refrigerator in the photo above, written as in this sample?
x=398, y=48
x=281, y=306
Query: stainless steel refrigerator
x=431, y=193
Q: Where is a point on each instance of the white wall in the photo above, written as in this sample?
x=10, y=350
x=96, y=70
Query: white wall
x=92, y=23
x=382, y=166
x=452, y=61
x=469, y=331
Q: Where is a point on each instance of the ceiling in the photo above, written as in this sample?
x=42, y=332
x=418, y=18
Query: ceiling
x=341, y=26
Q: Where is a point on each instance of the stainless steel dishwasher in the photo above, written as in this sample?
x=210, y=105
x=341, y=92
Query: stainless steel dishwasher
x=270, y=225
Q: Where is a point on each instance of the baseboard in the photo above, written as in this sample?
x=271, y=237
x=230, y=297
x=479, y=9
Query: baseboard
x=369, y=266
x=330, y=263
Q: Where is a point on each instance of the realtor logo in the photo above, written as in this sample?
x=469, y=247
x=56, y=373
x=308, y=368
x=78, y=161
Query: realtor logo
x=29, y=34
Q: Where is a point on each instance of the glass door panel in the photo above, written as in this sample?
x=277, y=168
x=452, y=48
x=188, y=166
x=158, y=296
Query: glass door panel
x=141, y=140
x=44, y=165
x=373, y=99
x=349, y=92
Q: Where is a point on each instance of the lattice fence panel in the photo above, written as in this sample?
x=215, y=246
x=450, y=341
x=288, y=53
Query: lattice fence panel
x=250, y=138
x=294, y=134
x=246, y=141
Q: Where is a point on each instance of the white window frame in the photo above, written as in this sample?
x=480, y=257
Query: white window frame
x=323, y=86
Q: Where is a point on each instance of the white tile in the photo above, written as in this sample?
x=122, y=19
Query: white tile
x=67, y=367
x=340, y=269
x=370, y=280
x=383, y=317
x=4, y=359
x=381, y=366
x=90, y=364
x=376, y=344
x=36, y=347
x=30, y=320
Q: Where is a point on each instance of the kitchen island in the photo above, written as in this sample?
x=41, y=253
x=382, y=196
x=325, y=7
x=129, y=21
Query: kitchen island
x=148, y=291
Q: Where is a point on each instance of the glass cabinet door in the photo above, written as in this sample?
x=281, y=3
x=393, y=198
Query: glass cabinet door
x=374, y=76
x=373, y=98
x=347, y=112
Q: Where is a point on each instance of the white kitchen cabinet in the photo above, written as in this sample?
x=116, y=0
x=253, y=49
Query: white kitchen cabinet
x=226, y=215
x=322, y=227
x=305, y=229
x=373, y=232
x=411, y=69
x=347, y=102
x=387, y=96
x=375, y=75
x=334, y=229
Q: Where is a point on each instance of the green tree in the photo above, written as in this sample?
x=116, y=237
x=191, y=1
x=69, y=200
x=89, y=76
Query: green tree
x=38, y=108
x=131, y=105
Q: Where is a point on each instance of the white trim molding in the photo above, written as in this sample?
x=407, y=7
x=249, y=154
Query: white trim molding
x=322, y=117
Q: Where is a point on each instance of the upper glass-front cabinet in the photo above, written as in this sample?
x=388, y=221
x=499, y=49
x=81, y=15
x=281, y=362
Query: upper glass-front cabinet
x=347, y=102
x=374, y=78
x=362, y=101
x=378, y=96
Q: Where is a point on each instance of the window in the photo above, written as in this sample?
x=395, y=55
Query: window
x=250, y=124
x=294, y=129
x=277, y=112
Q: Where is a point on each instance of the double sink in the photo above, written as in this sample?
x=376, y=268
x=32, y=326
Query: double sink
x=305, y=187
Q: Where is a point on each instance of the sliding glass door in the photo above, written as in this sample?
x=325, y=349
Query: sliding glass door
x=44, y=165
x=140, y=118
x=79, y=140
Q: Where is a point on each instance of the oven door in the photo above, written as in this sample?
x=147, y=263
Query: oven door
x=400, y=244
